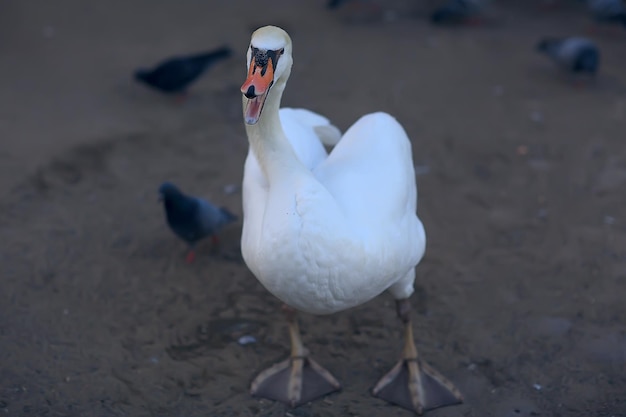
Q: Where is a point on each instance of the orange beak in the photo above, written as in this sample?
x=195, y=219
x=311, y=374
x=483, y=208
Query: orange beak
x=255, y=88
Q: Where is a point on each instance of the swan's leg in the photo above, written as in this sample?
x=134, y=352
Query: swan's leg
x=298, y=379
x=412, y=383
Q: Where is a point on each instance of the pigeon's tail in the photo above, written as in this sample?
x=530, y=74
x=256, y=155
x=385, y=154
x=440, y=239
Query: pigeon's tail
x=141, y=74
x=227, y=216
x=542, y=45
x=214, y=55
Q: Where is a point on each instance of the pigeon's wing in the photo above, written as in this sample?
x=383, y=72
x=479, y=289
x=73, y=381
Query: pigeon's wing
x=578, y=53
x=210, y=218
x=178, y=73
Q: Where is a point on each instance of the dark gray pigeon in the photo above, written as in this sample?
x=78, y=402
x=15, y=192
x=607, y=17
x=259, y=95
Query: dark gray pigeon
x=459, y=12
x=192, y=218
x=176, y=74
x=575, y=55
x=608, y=11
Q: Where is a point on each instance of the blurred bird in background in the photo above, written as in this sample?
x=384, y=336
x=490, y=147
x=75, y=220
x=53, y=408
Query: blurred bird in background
x=192, y=218
x=607, y=13
x=460, y=12
x=576, y=56
x=174, y=75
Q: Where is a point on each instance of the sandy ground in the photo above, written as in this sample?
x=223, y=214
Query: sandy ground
x=522, y=180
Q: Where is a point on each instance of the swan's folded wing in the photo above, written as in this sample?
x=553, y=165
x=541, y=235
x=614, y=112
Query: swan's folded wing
x=300, y=126
x=370, y=172
x=327, y=133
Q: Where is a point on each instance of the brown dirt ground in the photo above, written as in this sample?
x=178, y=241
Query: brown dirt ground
x=519, y=300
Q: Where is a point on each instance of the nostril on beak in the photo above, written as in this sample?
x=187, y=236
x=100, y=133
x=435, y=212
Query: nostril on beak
x=250, y=93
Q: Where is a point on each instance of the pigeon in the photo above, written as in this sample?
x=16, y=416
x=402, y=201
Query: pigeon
x=176, y=74
x=575, y=55
x=608, y=11
x=459, y=12
x=333, y=4
x=192, y=218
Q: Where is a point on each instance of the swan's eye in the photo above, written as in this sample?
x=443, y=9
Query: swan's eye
x=281, y=51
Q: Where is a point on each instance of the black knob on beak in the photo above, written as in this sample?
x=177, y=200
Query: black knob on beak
x=250, y=93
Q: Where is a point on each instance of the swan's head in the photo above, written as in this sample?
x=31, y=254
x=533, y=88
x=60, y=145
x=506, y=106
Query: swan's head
x=269, y=61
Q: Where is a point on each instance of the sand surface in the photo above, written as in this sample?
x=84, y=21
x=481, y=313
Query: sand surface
x=522, y=183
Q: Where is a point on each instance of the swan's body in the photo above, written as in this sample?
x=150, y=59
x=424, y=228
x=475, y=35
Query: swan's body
x=339, y=229
x=328, y=232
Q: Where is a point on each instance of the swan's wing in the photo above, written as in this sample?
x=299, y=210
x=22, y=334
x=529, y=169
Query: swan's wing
x=371, y=177
x=370, y=172
x=302, y=137
x=327, y=133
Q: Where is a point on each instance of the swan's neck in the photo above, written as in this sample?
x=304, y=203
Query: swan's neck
x=269, y=142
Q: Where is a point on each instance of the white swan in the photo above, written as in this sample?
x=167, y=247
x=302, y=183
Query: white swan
x=324, y=233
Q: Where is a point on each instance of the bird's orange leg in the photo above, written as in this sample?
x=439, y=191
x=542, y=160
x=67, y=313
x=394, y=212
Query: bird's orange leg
x=298, y=379
x=191, y=256
x=412, y=383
